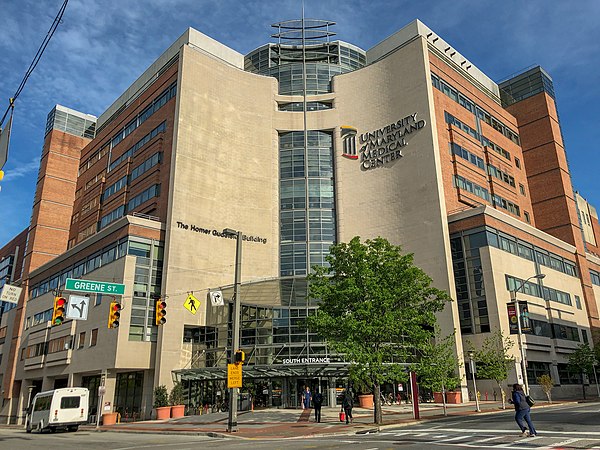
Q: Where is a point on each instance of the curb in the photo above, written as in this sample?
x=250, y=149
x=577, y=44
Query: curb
x=361, y=429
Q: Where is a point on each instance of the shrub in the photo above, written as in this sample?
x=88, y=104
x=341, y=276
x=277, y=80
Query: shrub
x=176, y=396
x=161, y=396
x=545, y=381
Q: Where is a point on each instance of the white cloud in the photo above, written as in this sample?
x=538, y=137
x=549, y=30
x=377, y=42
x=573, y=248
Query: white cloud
x=21, y=170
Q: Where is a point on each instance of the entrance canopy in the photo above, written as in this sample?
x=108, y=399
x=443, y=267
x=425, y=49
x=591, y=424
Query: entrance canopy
x=336, y=369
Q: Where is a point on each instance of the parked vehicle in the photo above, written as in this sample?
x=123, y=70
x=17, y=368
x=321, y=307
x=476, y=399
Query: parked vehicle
x=60, y=408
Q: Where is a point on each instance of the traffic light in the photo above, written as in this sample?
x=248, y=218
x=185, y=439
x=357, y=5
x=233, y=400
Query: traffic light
x=114, y=313
x=239, y=357
x=58, y=314
x=161, y=312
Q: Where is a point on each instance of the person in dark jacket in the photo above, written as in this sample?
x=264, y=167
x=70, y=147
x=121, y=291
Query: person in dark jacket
x=522, y=409
x=348, y=404
x=317, y=403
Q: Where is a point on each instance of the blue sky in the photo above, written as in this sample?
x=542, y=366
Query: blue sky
x=102, y=46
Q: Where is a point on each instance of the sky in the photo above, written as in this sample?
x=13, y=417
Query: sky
x=102, y=46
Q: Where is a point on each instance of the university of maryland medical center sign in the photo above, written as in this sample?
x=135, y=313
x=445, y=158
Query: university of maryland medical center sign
x=382, y=146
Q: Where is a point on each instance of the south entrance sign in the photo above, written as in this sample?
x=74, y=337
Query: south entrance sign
x=99, y=287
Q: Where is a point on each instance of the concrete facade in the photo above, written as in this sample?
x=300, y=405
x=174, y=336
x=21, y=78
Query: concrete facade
x=193, y=148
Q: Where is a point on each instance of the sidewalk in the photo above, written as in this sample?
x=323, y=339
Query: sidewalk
x=297, y=423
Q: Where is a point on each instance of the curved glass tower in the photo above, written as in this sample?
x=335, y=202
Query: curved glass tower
x=304, y=60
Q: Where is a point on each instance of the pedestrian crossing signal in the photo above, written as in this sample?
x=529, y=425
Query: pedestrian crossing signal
x=114, y=314
x=161, y=312
x=58, y=313
x=239, y=357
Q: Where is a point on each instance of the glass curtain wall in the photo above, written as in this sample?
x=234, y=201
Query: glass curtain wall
x=306, y=207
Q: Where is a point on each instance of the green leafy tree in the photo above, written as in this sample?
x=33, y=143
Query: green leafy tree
x=546, y=383
x=582, y=361
x=492, y=359
x=376, y=307
x=437, y=365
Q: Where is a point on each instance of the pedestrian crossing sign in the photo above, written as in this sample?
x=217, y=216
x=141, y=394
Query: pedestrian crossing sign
x=191, y=304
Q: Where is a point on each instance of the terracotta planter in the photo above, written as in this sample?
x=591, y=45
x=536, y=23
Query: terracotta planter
x=177, y=411
x=365, y=400
x=109, y=418
x=453, y=397
x=163, y=412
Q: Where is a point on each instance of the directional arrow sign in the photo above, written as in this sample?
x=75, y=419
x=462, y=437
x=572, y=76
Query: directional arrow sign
x=94, y=286
x=216, y=298
x=77, y=308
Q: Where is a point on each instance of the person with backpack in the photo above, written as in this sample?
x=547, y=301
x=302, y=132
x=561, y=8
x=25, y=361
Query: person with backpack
x=347, y=404
x=317, y=403
x=522, y=408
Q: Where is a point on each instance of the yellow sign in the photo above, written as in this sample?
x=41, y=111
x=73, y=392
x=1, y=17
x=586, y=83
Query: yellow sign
x=192, y=304
x=234, y=376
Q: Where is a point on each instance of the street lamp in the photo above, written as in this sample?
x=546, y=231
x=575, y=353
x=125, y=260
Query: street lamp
x=232, y=424
x=513, y=296
x=472, y=363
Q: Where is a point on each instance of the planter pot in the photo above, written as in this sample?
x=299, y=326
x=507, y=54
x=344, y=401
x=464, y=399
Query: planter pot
x=365, y=401
x=109, y=418
x=453, y=397
x=163, y=412
x=177, y=411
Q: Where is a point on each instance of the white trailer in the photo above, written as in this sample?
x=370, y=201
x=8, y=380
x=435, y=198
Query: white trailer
x=60, y=408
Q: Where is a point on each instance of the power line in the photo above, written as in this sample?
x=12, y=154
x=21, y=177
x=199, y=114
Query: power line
x=36, y=58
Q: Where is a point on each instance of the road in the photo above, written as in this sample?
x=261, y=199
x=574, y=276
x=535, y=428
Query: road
x=565, y=427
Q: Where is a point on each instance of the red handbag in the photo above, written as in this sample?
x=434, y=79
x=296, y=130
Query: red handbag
x=342, y=416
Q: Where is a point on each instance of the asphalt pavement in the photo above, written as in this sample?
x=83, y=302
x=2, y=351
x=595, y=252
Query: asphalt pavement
x=275, y=423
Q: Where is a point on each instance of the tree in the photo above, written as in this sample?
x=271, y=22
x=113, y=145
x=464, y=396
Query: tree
x=376, y=307
x=437, y=364
x=546, y=382
x=582, y=361
x=492, y=359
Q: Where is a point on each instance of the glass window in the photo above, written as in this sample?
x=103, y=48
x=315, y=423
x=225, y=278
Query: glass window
x=70, y=402
x=94, y=339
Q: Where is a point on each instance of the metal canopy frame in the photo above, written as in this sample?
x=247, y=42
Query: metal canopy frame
x=339, y=369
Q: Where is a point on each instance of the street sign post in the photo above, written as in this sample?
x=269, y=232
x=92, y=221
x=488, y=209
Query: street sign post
x=191, y=304
x=77, y=308
x=234, y=376
x=99, y=287
x=10, y=293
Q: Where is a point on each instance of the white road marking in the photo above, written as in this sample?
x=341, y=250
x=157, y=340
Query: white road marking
x=512, y=432
x=565, y=442
x=480, y=441
x=456, y=438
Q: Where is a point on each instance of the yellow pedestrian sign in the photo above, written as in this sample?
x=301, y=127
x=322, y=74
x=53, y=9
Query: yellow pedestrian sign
x=234, y=376
x=192, y=304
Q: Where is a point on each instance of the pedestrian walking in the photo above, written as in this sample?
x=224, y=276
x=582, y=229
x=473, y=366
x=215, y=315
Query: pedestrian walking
x=347, y=404
x=317, y=403
x=307, y=397
x=522, y=410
